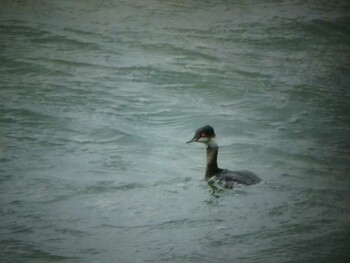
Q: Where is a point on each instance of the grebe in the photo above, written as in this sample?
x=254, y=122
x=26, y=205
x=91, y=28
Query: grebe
x=228, y=178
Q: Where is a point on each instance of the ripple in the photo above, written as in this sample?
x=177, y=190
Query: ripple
x=30, y=251
x=110, y=186
x=172, y=224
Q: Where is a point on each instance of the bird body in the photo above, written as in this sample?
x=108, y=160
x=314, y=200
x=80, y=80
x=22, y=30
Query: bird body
x=228, y=178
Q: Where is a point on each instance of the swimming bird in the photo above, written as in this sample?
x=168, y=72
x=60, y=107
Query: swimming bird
x=228, y=178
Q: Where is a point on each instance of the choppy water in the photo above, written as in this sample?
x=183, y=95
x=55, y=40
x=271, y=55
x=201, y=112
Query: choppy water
x=98, y=98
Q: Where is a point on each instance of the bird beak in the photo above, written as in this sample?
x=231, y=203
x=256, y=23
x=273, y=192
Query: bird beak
x=194, y=139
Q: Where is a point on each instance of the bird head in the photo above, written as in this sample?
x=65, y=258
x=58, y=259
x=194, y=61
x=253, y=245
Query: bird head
x=204, y=135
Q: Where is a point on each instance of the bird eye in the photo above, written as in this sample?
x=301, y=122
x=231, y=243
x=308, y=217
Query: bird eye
x=203, y=134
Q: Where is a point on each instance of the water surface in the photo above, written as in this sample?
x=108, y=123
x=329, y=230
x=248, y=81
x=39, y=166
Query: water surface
x=99, y=98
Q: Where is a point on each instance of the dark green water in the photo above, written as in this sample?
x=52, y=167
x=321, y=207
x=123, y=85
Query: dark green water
x=99, y=97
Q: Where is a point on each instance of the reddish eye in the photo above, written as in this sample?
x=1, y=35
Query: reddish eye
x=203, y=134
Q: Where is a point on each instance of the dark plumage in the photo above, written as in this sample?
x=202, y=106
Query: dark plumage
x=207, y=136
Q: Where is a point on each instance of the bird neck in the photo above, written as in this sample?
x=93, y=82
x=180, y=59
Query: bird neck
x=212, y=154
